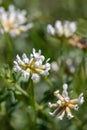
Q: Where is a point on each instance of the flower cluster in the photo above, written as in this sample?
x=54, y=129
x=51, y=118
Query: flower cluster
x=66, y=29
x=32, y=67
x=64, y=104
x=78, y=41
x=13, y=21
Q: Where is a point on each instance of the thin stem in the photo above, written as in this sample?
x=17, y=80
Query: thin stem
x=84, y=62
x=49, y=82
x=33, y=102
x=21, y=90
x=9, y=48
x=8, y=41
x=9, y=45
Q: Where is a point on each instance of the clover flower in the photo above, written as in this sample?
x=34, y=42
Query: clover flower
x=64, y=104
x=78, y=41
x=54, y=66
x=13, y=21
x=66, y=29
x=32, y=67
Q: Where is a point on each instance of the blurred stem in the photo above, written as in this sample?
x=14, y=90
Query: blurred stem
x=2, y=108
x=84, y=63
x=48, y=119
x=21, y=90
x=49, y=82
x=63, y=46
x=62, y=49
x=33, y=102
x=9, y=48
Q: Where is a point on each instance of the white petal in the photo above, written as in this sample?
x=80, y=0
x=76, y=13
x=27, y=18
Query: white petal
x=44, y=72
x=65, y=86
x=25, y=74
x=59, y=102
x=66, y=29
x=49, y=104
x=70, y=116
x=76, y=107
x=47, y=66
x=50, y=29
x=81, y=99
x=25, y=58
x=50, y=113
x=18, y=59
x=59, y=28
x=17, y=68
x=42, y=58
x=54, y=66
x=15, y=62
x=35, y=77
x=65, y=92
x=72, y=27
x=38, y=63
x=56, y=92
x=61, y=116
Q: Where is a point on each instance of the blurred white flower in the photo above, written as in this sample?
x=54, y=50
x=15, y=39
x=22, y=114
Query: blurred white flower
x=66, y=29
x=13, y=21
x=70, y=66
x=50, y=29
x=33, y=66
x=54, y=66
x=64, y=104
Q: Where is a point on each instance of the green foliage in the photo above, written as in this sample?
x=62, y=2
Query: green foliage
x=24, y=104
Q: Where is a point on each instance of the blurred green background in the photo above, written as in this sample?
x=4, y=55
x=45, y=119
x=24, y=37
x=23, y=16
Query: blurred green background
x=19, y=116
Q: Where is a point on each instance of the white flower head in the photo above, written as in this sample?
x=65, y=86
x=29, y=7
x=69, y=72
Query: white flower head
x=33, y=66
x=64, y=104
x=14, y=21
x=66, y=29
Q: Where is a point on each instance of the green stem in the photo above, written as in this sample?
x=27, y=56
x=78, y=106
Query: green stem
x=49, y=82
x=84, y=63
x=8, y=41
x=9, y=48
x=2, y=108
x=9, y=45
x=33, y=102
x=21, y=90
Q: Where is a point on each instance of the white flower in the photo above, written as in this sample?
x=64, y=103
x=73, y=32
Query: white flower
x=33, y=66
x=64, y=104
x=66, y=29
x=13, y=21
x=54, y=66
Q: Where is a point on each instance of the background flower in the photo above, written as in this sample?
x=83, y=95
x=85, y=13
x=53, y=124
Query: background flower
x=14, y=21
